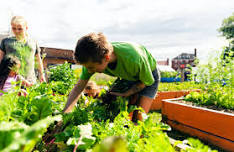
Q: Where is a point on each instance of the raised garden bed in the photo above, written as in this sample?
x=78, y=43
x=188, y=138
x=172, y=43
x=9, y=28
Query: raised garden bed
x=213, y=126
x=157, y=103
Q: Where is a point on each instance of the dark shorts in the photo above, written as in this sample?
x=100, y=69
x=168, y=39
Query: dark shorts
x=121, y=85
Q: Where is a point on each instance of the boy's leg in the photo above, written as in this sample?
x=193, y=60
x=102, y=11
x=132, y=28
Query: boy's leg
x=145, y=103
x=146, y=96
x=133, y=99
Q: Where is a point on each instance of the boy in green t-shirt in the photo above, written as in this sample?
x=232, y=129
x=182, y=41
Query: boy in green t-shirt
x=130, y=62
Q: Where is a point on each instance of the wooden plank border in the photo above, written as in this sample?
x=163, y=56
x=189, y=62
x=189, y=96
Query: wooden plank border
x=212, y=126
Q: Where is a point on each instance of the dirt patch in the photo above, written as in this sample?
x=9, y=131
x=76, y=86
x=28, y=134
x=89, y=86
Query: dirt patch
x=213, y=107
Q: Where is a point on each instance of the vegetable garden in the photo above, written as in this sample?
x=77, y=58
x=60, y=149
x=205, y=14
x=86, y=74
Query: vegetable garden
x=35, y=122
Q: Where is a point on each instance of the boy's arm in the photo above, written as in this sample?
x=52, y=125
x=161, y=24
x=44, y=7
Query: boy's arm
x=1, y=55
x=134, y=89
x=40, y=68
x=74, y=95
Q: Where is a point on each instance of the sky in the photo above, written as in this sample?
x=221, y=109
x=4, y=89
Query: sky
x=165, y=27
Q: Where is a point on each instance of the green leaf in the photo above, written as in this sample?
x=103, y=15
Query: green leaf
x=26, y=140
x=41, y=107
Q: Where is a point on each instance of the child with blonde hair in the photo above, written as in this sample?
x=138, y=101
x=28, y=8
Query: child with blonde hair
x=24, y=48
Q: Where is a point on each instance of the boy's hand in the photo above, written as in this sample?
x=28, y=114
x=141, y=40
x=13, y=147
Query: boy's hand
x=125, y=94
x=134, y=89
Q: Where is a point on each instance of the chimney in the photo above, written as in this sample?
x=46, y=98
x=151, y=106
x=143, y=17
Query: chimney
x=167, y=61
x=195, y=52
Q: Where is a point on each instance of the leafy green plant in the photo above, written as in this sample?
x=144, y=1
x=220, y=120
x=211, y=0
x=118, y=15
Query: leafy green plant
x=62, y=72
x=33, y=116
x=177, y=86
x=197, y=145
x=62, y=78
x=146, y=136
x=218, y=79
x=8, y=103
x=167, y=74
x=23, y=54
x=39, y=103
x=220, y=97
x=82, y=137
x=8, y=132
x=24, y=138
x=41, y=107
x=112, y=143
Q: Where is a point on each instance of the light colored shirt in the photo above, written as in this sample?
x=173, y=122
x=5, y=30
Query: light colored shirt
x=25, y=52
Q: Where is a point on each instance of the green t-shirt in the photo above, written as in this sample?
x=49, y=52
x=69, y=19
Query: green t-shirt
x=25, y=52
x=134, y=63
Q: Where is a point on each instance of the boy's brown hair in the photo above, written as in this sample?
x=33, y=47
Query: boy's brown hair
x=91, y=47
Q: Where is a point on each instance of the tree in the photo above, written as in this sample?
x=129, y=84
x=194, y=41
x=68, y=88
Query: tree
x=227, y=30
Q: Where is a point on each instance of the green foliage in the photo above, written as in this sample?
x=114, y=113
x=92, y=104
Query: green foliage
x=102, y=79
x=82, y=137
x=24, y=138
x=146, y=136
x=91, y=123
x=64, y=136
x=196, y=145
x=77, y=72
x=9, y=131
x=38, y=104
x=218, y=79
x=78, y=116
x=60, y=87
x=108, y=120
x=62, y=78
x=222, y=97
x=62, y=72
x=41, y=107
x=177, y=86
x=227, y=28
x=216, y=71
x=113, y=143
x=166, y=74
x=7, y=105
x=23, y=53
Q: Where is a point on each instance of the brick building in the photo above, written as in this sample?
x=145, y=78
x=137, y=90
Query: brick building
x=56, y=56
x=163, y=62
x=184, y=59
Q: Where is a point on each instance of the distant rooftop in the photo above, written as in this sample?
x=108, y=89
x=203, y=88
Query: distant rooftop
x=58, y=53
x=185, y=56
